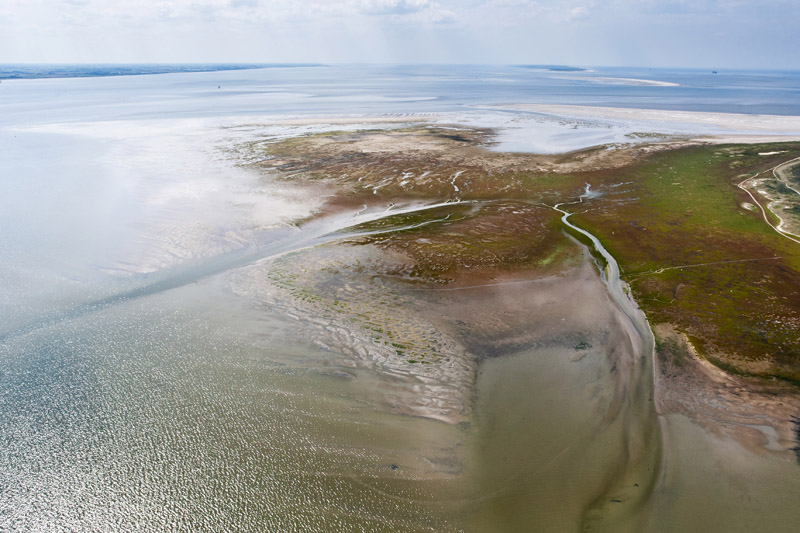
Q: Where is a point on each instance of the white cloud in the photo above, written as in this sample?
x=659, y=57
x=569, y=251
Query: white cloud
x=392, y=7
x=441, y=16
x=243, y=3
x=551, y=11
x=576, y=13
x=588, y=31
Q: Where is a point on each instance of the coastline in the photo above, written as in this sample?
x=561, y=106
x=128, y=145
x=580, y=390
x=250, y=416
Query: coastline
x=421, y=345
x=698, y=425
x=695, y=126
x=782, y=124
x=340, y=298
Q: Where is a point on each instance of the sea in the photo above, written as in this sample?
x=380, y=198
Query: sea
x=91, y=92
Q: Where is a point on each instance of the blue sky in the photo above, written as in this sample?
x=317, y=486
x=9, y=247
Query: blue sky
x=700, y=33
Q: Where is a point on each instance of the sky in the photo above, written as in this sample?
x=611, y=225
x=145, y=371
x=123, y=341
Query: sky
x=649, y=33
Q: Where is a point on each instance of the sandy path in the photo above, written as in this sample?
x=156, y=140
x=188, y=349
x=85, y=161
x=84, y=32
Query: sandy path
x=743, y=185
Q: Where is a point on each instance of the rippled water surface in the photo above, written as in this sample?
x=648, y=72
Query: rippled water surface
x=157, y=414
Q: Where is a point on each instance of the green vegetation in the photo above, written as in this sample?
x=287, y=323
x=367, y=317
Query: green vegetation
x=500, y=236
x=674, y=219
x=670, y=352
x=687, y=214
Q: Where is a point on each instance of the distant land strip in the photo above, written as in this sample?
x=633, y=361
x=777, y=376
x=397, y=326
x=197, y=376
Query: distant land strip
x=37, y=71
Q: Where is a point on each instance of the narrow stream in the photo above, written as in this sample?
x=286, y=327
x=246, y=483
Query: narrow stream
x=635, y=387
x=696, y=470
x=611, y=276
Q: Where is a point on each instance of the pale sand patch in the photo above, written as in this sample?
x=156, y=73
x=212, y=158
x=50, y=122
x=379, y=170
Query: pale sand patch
x=323, y=120
x=620, y=81
x=756, y=413
x=747, y=139
x=778, y=126
x=726, y=438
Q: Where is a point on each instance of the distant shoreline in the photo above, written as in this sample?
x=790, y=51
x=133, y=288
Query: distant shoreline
x=718, y=127
x=28, y=71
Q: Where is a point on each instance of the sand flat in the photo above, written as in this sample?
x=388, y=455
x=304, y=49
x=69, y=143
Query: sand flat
x=785, y=124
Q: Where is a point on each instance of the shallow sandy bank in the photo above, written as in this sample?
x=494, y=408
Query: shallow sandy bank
x=747, y=139
x=756, y=413
x=373, y=119
x=775, y=124
x=558, y=391
x=605, y=80
x=726, y=438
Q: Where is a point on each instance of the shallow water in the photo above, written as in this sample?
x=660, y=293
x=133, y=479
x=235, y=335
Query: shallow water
x=565, y=435
x=711, y=482
x=358, y=89
x=696, y=470
x=166, y=414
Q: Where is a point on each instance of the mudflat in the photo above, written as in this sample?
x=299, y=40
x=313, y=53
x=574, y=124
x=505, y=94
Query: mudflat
x=492, y=286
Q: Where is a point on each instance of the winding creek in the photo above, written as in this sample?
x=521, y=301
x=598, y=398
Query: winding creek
x=616, y=287
x=695, y=467
x=635, y=383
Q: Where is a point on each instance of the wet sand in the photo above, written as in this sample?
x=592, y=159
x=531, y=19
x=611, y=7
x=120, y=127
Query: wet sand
x=331, y=386
x=565, y=433
x=727, y=438
x=555, y=438
x=560, y=441
x=774, y=125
